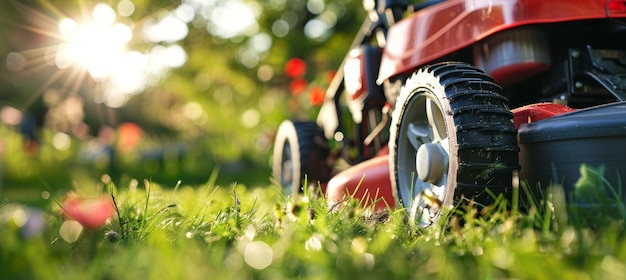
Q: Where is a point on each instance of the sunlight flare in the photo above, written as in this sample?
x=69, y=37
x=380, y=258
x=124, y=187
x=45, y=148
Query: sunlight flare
x=122, y=56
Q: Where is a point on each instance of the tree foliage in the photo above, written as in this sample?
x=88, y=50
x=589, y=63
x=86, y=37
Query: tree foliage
x=230, y=93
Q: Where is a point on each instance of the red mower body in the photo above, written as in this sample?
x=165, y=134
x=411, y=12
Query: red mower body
x=547, y=58
x=435, y=32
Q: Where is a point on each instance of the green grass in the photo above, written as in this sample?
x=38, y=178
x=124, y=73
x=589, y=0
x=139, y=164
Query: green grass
x=223, y=232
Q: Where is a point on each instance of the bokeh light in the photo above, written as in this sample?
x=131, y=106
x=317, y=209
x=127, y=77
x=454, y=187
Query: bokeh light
x=316, y=96
x=298, y=86
x=70, y=231
x=265, y=73
x=101, y=46
x=295, y=68
x=10, y=115
x=61, y=141
x=315, y=6
x=258, y=255
x=261, y=42
x=125, y=8
x=168, y=29
x=250, y=118
x=314, y=243
x=15, y=61
x=185, y=12
x=233, y=18
x=103, y=14
x=280, y=28
x=317, y=29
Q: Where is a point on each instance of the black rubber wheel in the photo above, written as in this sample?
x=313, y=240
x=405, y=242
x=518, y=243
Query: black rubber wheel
x=451, y=137
x=300, y=152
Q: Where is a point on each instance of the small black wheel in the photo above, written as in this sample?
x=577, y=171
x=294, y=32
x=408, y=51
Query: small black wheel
x=300, y=151
x=451, y=137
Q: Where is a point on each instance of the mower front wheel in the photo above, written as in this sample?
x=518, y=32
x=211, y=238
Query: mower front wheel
x=451, y=138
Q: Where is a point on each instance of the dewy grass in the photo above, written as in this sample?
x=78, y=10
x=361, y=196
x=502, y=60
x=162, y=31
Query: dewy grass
x=233, y=232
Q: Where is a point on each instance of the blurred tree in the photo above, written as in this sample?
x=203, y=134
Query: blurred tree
x=227, y=89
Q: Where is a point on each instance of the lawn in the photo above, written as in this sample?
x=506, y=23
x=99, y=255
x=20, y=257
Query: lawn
x=213, y=231
x=184, y=191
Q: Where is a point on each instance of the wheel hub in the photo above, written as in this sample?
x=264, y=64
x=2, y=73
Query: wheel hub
x=430, y=163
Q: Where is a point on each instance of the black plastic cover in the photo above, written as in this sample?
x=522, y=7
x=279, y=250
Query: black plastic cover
x=599, y=121
x=552, y=150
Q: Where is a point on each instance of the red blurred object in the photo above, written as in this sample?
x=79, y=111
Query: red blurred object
x=129, y=135
x=298, y=86
x=316, y=96
x=295, y=68
x=91, y=213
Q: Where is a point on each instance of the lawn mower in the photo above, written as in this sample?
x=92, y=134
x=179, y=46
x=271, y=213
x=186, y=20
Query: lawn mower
x=440, y=102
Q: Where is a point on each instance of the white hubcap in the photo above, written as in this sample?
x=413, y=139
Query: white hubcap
x=430, y=163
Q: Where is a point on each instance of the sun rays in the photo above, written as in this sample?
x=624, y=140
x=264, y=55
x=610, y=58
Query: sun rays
x=92, y=53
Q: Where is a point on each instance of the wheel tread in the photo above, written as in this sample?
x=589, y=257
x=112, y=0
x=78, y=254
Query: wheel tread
x=313, y=152
x=487, y=144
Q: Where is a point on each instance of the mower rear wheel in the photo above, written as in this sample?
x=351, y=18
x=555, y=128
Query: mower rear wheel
x=451, y=137
x=300, y=156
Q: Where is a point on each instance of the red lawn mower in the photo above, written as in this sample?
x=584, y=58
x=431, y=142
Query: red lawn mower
x=420, y=109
